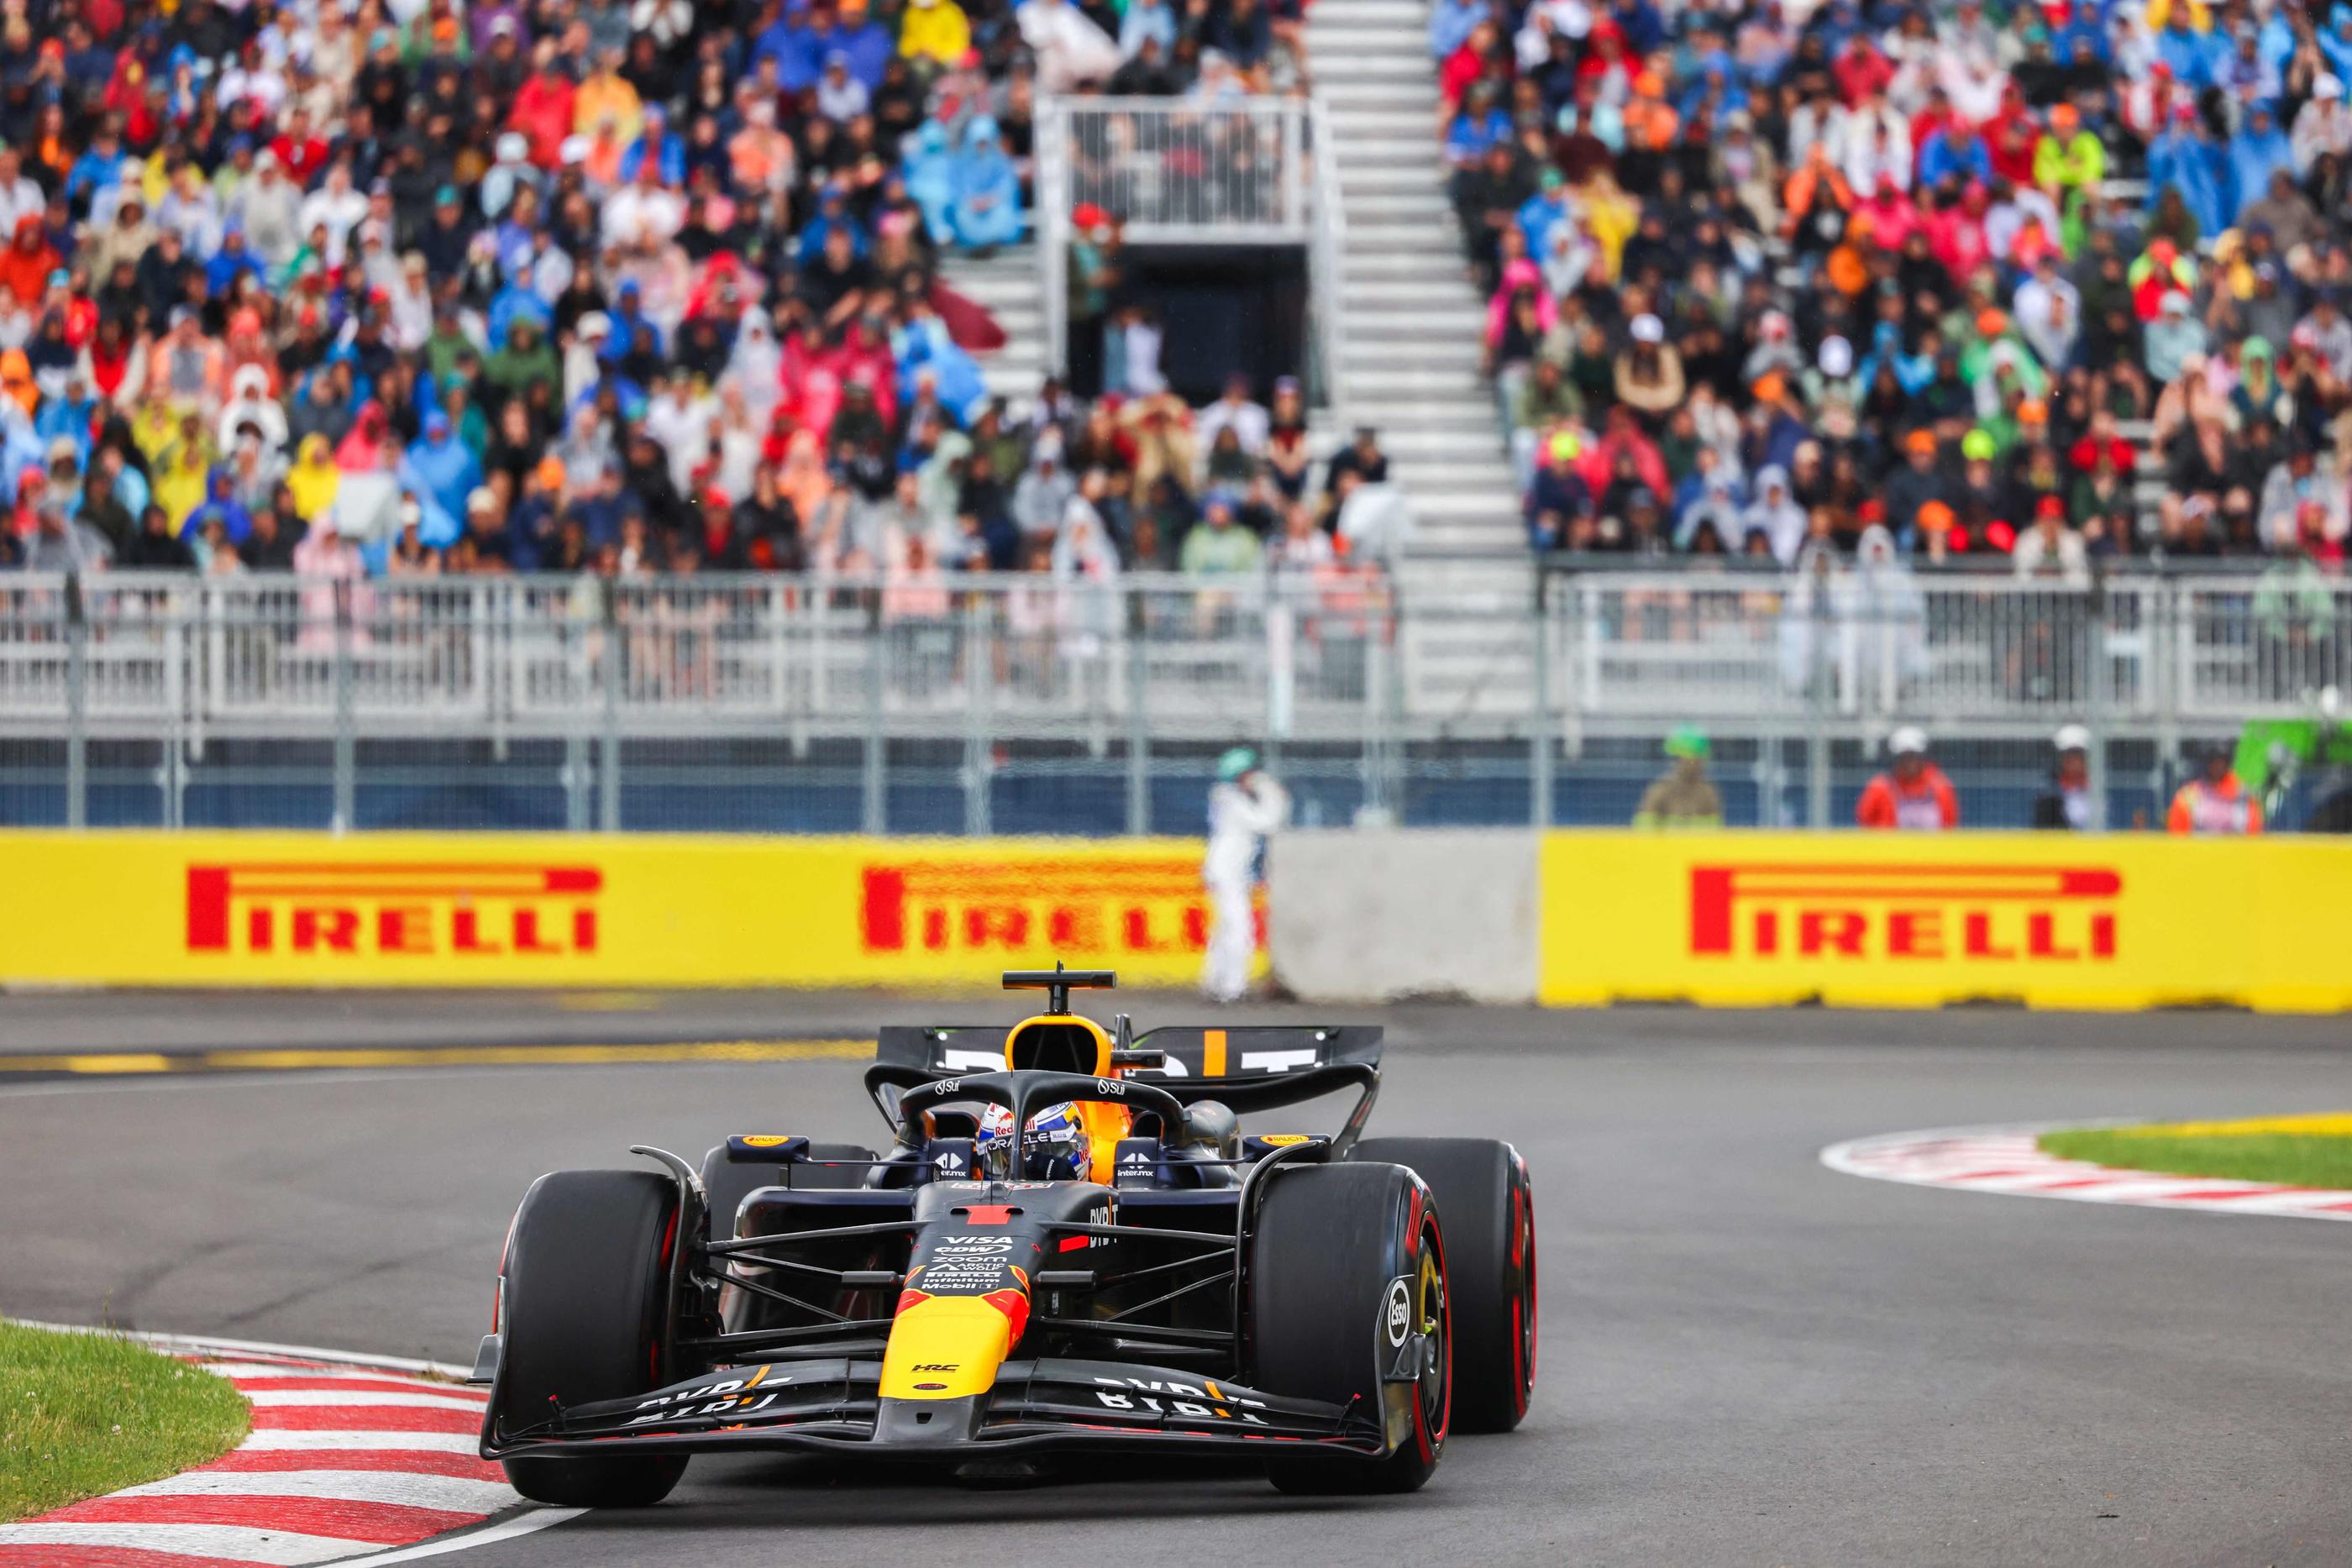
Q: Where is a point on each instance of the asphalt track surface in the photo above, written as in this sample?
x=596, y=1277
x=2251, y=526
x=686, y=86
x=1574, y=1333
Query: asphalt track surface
x=1748, y=1358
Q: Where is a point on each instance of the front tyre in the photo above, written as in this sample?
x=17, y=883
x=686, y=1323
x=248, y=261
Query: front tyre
x=1336, y=1251
x=1482, y=1189
x=586, y=1288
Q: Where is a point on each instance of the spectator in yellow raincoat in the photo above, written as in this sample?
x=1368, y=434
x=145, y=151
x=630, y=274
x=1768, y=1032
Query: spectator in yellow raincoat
x=934, y=30
x=607, y=95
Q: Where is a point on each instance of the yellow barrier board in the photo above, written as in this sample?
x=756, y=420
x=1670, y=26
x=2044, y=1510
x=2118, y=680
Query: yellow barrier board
x=394, y=909
x=1918, y=920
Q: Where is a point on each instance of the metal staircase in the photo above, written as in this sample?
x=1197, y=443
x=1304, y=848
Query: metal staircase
x=1413, y=319
x=1010, y=286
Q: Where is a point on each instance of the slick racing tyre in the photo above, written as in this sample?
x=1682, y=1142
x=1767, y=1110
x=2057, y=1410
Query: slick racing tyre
x=587, y=1279
x=727, y=1186
x=1482, y=1189
x=1336, y=1251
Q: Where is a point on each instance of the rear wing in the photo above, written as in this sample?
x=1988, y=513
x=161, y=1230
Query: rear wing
x=1195, y=1054
x=1258, y=1067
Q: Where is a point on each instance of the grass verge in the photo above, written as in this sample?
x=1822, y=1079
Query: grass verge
x=84, y=1414
x=2272, y=1151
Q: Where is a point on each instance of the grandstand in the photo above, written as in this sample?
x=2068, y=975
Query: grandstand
x=971, y=415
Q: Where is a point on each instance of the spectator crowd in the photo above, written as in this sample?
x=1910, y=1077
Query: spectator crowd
x=411, y=287
x=1767, y=278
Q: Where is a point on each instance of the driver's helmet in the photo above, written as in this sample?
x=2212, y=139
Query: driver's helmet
x=1054, y=1148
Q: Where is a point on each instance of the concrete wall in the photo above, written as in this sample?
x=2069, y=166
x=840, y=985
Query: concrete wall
x=1367, y=915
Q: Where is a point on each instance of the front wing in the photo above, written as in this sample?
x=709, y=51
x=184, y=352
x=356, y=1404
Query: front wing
x=1049, y=1403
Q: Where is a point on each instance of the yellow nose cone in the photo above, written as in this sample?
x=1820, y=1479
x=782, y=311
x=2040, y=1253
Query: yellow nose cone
x=948, y=1347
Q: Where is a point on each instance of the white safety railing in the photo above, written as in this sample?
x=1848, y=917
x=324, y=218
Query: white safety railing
x=1954, y=648
x=164, y=677
x=280, y=654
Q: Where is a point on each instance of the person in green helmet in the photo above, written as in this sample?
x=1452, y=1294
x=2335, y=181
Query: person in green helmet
x=1246, y=804
x=1681, y=798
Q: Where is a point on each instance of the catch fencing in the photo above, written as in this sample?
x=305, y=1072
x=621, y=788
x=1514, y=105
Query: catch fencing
x=1033, y=704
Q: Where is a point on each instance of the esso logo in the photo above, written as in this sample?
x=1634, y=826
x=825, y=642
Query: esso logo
x=1399, y=1313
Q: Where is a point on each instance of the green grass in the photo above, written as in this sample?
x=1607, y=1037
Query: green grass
x=2292, y=1159
x=82, y=1413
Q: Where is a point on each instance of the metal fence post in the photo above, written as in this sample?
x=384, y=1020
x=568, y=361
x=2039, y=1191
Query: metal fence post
x=1138, y=719
x=873, y=812
x=1380, y=694
x=1539, y=731
x=2102, y=674
x=608, y=784
x=346, y=738
x=1817, y=715
x=171, y=774
x=77, y=705
x=978, y=667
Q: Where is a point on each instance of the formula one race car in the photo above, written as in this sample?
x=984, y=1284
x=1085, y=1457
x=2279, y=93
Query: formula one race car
x=1071, y=1244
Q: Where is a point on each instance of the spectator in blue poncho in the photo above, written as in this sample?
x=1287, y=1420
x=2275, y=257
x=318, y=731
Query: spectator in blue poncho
x=1450, y=24
x=220, y=505
x=665, y=147
x=2258, y=150
x=866, y=42
x=987, y=190
x=1543, y=211
x=930, y=179
x=797, y=46
x=628, y=314
x=1481, y=124
x=1957, y=153
x=2184, y=159
x=832, y=213
x=518, y=301
x=71, y=414
x=230, y=262
x=1147, y=19
x=923, y=348
x=2335, y=40
x=2186, y=52
x=439, y=465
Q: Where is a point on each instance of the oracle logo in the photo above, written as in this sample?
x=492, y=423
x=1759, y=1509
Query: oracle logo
x=512, y=909
x=1929, y=911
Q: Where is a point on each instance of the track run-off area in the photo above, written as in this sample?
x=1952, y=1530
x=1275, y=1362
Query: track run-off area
x=1747, y=1357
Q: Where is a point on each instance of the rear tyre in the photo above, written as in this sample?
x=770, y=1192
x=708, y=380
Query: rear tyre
x=726, y=1185
x=587, y=1281
x=1482, y=1189
x=1329, y=1241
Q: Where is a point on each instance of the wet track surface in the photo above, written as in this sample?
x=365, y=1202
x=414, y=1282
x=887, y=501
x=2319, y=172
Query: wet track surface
x=1748, y=1358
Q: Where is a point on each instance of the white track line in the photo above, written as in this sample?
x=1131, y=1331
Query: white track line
x=277, y=1398
x=207, y=1345
x=505, y=1530
x=432, y=1442
x=2010, y=1161
x=235, y=1542
x=241, y=1370
x=450, y=1494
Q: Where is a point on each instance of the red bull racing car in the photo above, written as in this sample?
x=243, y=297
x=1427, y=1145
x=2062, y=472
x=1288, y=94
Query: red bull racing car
x=1070, y=1244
